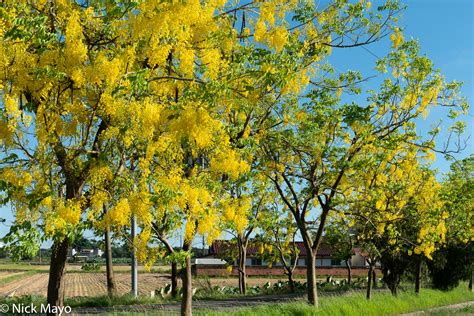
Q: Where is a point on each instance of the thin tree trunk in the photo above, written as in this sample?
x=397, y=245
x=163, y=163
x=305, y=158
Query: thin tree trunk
x=349, y=271
x=291, y=282
x=111, y=289
x=186, y=302
x=374, y=278
x=471, y=282
x=311, y=278
x=394, y=290
x=174, y=279
x=242, y=272
x=418, y=276
x=369, y=282
x=57, y=269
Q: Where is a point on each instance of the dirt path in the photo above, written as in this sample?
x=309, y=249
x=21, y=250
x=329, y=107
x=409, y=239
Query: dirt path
x=173, y=308
x=448, y=309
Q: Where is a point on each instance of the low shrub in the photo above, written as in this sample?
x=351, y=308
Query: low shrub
x=91, y=267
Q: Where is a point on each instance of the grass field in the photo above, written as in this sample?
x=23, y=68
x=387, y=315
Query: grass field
x=355, y=304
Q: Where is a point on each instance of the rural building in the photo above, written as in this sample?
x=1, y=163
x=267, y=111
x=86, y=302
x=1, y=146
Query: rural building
x=214, y=263
x=84, y=254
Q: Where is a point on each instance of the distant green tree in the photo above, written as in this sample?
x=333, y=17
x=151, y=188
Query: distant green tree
x=84, y=243
x=341, y=241
x=451, y=265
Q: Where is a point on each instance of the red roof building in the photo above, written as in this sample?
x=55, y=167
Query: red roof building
x=224, y=248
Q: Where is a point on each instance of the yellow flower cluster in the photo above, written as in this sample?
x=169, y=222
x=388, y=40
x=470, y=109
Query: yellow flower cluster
x=145, y=253
x=213, y=61
x=197, y=125
x=105, y=70
x=6, y=134
x=189, y=230
x=97, y=201
x=267, y=12
x=186, y=62
x=16, y=177
x=197, y=199
x=70, y=211
x=140, y=206
x=228, y=162
x=63, y=216
x=119, y=215
x=397, y=38
x=278, y=38
x=235, y=211
x=265, y=28
x=209, y=225
x=100, y=176
x=75, y=53
x=141, y=244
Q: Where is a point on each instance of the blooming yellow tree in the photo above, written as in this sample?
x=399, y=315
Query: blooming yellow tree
x=86, y=90
x=110, y=91
x=324, y=141
x=398, y=210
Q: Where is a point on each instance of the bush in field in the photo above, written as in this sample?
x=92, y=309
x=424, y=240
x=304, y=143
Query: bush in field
x=91, y=267
x=451, y=265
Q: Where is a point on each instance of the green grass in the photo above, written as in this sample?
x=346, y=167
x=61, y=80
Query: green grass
x=22, y=267
x=8, y=265
x=354, y=304
x=118, y=300
x=101, y=301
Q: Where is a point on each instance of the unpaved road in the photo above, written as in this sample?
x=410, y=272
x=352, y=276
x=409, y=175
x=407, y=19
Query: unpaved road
x=174, y=308
x=450, y=309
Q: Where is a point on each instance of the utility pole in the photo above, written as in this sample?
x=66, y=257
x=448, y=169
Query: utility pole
x=134, y=259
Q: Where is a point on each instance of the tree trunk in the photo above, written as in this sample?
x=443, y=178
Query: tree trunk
x=394, y=290
x=291, y=282
x=187, y=300
x=369, y=282
x=174, y=279
x=418, y=276
x=349, y=271
x=57, y=268
x=311, y=278
x=374, y=278
x=111, y=289
x=471, y=282
x=242, y=272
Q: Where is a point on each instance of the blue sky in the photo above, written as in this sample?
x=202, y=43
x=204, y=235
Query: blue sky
x=445, y=32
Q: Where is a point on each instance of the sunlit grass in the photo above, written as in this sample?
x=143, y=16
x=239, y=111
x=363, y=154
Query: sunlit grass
x=382, y=303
